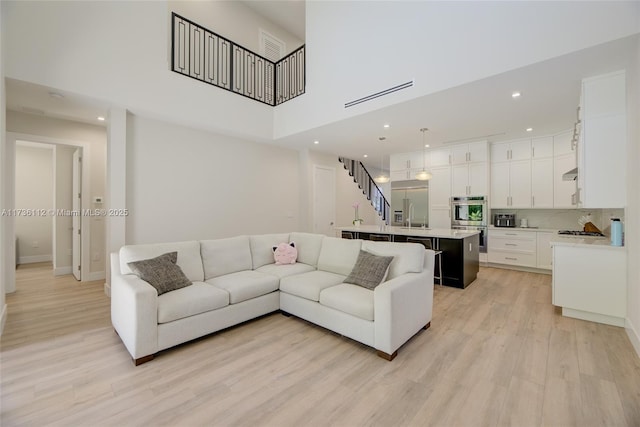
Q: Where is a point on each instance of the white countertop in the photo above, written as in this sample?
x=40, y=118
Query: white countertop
x=553, y=230
x=584, y=241
x=443, y=233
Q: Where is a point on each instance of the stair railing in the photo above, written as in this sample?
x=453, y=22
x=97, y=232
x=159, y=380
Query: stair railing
x=369, y=187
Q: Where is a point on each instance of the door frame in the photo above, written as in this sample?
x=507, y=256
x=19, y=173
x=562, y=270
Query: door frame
x=315, y=210
x=10, y=186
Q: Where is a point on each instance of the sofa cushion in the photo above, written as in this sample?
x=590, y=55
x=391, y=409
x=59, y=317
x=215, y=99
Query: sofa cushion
x=351, y=299
x=338, y=255
x=285, y=270
x=309, y=285
x=245, y=285
x=195, y=299
x=262, y=248
x=189, y=258
x=225, y=256
x=407, y=257
x=369, y=271
x=308, y=246
x=161, y=272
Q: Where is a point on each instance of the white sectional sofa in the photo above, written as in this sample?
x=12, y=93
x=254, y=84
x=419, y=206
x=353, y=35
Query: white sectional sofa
x=236, y=279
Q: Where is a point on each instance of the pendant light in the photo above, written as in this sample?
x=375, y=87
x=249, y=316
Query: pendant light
x=423, y=175
x=382, y=178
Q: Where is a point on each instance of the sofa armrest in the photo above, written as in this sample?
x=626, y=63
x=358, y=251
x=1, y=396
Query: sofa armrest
x=402, y=306
x=134, y=311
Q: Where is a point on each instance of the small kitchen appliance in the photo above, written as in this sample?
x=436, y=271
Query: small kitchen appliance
x=504, y=220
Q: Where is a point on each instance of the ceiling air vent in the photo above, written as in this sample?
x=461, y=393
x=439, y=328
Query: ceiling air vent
x=379, y=94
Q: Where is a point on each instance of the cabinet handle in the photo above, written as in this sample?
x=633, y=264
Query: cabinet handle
x=468, y=157
x=533, y=201
x=573, y=199
x=449, y=158
x=533, y=151
x=512, y=259
x=510, y=234
x=469, y=247
x=510, y=244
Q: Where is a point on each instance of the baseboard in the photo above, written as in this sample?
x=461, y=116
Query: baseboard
x=96, y=275
x=62, y=271
x=35, y=258
x=519, y=268
x=3, y=318
x=633, y=335
x=107, y=289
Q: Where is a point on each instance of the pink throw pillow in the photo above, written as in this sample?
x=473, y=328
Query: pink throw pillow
x=285, y=253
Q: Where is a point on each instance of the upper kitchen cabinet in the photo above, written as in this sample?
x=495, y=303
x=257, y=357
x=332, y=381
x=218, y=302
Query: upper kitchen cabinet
x=542, y=172
x=563, y=143
x=440, y=157
x=564, y=160
x=542, y=148
x=513, y=150
x=404, y=166
x=469, y=153
x=602, y=143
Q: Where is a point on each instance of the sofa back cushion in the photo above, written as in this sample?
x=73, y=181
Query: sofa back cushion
x=308, y=246
x=225, y=256
x=338, y=255
x=262, y=247
x=189, y=259
x=407, y=257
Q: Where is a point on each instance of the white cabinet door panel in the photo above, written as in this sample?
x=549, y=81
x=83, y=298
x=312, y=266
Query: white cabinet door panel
x=563, y=191
x=542, y=147
x=440, y=187
x=440, y=158
x=500, y=185
x=520, y=150
x=520, y=184
x=542, y=183
x=478, y=177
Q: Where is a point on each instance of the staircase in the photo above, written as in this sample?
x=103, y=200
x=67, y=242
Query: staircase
x=370, y=189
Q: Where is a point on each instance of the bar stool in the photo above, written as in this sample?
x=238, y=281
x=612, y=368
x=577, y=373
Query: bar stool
x=426, y=242
x=380, y=237
x=347, y=235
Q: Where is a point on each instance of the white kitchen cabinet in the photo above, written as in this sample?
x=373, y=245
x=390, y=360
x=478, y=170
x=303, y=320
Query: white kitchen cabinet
x=404, y=166
x=542, y=183
x=563, y=144
x=440, y=187
x=602, y=144
x=511, y=184
x=469, y=153
x=564, y=192
x=513, y=150
x=542, y=147
x=439, y=158
x=543, y=249
x=511, y=247
x=589, y=282
x=469, y=180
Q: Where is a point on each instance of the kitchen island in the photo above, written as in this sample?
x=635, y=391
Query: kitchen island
x=460, y=248
x=589, y=279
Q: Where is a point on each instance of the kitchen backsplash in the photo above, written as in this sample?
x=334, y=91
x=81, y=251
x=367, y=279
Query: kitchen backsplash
x=563, y=219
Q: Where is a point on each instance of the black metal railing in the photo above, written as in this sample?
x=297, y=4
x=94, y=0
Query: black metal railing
x=369, y=187
x=201, y=54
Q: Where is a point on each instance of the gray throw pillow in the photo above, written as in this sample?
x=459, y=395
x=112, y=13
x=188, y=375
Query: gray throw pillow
x=161, y=272
x=369, y=270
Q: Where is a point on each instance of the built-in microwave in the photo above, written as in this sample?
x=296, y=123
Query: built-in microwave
x=469, y=210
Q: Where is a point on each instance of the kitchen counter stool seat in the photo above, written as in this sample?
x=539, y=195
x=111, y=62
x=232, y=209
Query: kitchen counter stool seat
x=428, y=244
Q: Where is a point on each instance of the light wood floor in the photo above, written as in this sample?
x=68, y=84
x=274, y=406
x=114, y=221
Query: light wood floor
x=497, y=354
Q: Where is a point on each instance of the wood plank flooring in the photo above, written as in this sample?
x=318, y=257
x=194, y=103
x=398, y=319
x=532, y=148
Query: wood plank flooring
x=497, y=354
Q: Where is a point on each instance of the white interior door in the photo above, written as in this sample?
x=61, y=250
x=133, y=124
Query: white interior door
x=324, y=200
x=76, y=247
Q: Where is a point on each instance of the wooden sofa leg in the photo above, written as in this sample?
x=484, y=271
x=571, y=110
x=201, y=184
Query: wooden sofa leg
x=387, y=356
x=142, y=360
x=427, y=326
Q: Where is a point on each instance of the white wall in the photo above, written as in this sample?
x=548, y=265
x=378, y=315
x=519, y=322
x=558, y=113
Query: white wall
x=350, y=46
x=121, y=56
x=63, y=200
x=34, y=191
x=72, y=132
x=632, y=225
x=185, y=184
x=234, y=21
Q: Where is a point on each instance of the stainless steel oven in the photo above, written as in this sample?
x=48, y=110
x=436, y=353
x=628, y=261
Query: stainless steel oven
x=482, y=247
x=469, y=211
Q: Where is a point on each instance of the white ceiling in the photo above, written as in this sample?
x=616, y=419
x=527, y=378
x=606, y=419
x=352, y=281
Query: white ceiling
x=287, y=14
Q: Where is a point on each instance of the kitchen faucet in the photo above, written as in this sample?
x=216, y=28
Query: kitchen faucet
x=409, y=215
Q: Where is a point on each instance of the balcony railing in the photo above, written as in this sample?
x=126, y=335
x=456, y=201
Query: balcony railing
x=201, y=54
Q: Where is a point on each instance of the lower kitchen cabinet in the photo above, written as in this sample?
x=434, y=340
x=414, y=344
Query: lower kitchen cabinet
x=543, y=249
x=589, y=282
x=512, y=247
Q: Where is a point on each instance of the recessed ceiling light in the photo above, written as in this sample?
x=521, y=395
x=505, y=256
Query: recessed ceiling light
x=100, y=118
x=386, y=126
x=426, y=145
x=529, y=129
x=366, y=155
x=316, y=142
x=515, y=95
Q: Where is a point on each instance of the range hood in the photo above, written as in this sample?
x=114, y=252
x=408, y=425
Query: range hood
x=572, y=175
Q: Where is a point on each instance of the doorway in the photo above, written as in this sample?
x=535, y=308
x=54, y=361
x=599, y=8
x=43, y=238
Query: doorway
x=324, y=200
